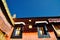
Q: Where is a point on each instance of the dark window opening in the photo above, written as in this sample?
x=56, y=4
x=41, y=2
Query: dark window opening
x=17, y=32
x=43, y=32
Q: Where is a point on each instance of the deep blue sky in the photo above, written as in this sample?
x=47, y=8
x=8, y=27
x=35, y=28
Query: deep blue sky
x=34, y=8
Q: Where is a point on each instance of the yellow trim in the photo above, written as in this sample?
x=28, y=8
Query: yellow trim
x=7, y=10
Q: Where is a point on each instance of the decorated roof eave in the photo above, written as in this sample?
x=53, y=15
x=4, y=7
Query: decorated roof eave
x=7, y=12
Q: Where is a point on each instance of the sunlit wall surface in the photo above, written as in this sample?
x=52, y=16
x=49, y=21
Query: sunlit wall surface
x=34, y=8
